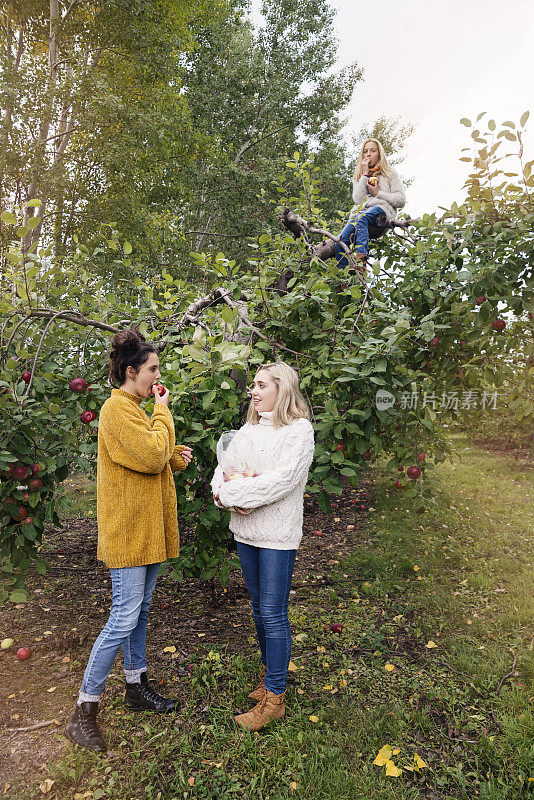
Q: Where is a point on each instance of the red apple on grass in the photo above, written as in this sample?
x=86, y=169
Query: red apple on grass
x=336, y=627
x=23, y=653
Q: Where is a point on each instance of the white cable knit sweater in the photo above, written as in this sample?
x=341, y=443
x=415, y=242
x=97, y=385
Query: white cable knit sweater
x=276, y=496
x=390, y=195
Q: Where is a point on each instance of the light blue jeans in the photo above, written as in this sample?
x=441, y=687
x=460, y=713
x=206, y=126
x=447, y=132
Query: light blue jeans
x=268, y=575
x=126, y=628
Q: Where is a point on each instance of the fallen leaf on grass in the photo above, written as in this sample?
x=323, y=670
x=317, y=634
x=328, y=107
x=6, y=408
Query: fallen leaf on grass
x=300, y=691
x=52, y=689
x=191, y=781
x=419, y=763
x=391, y=770
x=314, y=718
x=321, y=649
x=292, y=786
x=384, y=755
x=301, y=636
x=389, y=667
x=292, y=667
x=430, y=644
x=46, y=785
x=398, y=618
x=65, y=660
x=171, y=649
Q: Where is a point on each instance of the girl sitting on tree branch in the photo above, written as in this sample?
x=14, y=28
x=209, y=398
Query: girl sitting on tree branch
x=377, y=192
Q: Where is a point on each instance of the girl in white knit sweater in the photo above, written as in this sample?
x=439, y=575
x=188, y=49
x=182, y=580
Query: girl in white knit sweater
x=266, y=521
x=377, y=192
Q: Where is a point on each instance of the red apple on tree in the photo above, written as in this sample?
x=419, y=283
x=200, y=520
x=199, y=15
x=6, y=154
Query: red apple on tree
x=400, y=468
x=77, y=385
x=367, y=455
x=341, y=446
x=20, y=473
x=413, y=472
x=26, y=376
x=35, y=483
x=498, y=325
x=421, y=456
x=27, y=521
x=435, y=341
x=481, y=300
x=35, y=468
x=87, y=416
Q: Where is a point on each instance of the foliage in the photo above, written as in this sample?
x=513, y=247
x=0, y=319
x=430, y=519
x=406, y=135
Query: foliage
x=422, y=336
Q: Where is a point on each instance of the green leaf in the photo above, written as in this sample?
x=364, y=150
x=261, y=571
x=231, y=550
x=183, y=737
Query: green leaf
x=8, y=218
x=33, y=203
x=127, y=248
x=19, y=596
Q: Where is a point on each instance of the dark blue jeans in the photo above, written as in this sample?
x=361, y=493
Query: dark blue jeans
x=268, y=576
x=357, y=230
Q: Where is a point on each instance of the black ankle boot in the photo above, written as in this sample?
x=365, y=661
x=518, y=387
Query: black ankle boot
x=83, y=730
x=141, y=697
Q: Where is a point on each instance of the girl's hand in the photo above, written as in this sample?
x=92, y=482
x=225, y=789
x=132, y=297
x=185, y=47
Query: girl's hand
x=365, y=166
x=164, y=398
x=372, y=188
x=244, y=511
x=187, y=455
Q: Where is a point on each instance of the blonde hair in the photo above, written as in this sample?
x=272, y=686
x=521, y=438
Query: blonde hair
x=382, y=163
x=290, y=404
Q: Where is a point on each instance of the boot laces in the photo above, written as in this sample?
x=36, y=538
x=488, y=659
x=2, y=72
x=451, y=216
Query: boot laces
x=149, y=694
x=258, y=709
x=89, y=727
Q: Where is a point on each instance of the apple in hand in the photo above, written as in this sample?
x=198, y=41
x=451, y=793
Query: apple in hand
x=160, y=389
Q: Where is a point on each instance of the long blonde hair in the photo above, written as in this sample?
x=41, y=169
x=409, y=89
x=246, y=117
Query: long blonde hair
x=290, y=404
x=382, y=165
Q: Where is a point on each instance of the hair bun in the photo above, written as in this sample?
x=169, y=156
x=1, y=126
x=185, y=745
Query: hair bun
x=127, y=341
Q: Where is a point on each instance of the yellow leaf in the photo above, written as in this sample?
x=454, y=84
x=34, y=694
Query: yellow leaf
x=383, y=756
x=293, y=786
x=200, y=635
x=416, y=568
x=65, y=660
x=191, y=781
x=327, y=688
x=321, y=649
x=301, y=636
x=430, y=644
x=46, y=785
x=391, y=770
x=314, y=718
x=396, y=752
x=398, y=618
x=419, y=761
x=52, y=689
x=389, y=667
x=171, y=649
x=292, y=667
x=300, y=691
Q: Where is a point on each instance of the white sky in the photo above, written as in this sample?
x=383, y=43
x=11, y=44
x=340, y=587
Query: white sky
x=431, y=63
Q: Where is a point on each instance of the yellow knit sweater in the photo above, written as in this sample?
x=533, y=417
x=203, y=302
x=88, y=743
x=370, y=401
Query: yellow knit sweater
x=136, y=496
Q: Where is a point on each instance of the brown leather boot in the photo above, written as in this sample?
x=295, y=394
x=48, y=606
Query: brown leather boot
x=259, y=691
x=270, y=707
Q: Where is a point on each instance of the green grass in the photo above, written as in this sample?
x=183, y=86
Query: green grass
x=471, y=595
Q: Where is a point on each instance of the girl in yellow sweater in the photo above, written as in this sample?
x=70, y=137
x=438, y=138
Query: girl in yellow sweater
x=137, y=526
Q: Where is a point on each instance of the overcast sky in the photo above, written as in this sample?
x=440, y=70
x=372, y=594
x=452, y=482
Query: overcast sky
x=431, y=63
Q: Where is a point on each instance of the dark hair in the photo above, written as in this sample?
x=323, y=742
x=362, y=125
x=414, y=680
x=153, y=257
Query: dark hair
x=128, y=349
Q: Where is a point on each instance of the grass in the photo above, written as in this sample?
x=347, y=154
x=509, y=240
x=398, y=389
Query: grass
x=460, y=577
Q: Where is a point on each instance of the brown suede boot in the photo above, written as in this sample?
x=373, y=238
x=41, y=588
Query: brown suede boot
x=270, y=707
x=259, y=691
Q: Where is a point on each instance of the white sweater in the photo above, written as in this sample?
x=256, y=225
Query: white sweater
x=390, y=195
x=276, y=497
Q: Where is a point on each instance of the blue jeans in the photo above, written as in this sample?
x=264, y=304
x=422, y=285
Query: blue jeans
x=126, y=627
x=268, y=576
x=358, y=233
